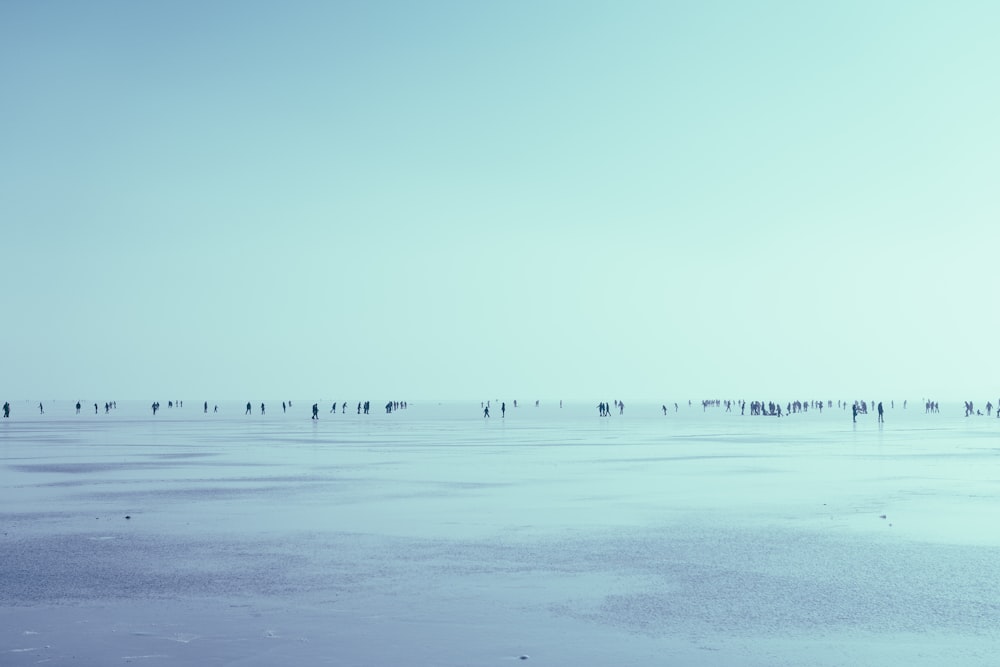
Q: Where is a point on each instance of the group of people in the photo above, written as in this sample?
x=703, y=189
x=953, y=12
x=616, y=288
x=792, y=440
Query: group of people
x=604, y=410
x=971, y=410
x=770, y=408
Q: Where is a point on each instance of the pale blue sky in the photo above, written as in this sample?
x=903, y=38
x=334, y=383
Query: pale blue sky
x=588, y=200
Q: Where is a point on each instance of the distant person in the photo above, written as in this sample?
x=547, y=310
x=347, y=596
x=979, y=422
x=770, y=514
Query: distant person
x=95, y=408
x=206, y=407
x=41, y=410
x=216, y=409
x=154, y=406
x=78, y=407
x=343, y=408
x=249, y=409
x=854, y=412
x=621, y=408
x=283, y=407
x=880, y=417
x=486, y=412
x=315, y=411
x=6, y=409
x=261, y=408
x=503, y=410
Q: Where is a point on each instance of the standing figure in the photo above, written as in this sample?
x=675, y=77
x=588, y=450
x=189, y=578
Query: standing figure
x=315, y=411
x=880, y=417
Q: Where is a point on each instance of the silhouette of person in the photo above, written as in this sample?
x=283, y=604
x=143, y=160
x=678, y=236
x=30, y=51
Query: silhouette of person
x=880, y=417
x=78, y=407
x=854, y=412
x=261, y=408
x=503, y=410
x=41, y=410
x=486, y=412
x=248, y=408
x=206, y=407
x=6, y=409
x=315, y=411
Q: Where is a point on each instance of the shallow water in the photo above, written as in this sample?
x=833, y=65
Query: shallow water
x=434, y=537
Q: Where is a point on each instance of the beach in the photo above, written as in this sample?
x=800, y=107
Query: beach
x=551, y=536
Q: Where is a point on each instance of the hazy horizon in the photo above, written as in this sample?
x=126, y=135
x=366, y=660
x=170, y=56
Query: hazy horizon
x=608, y=200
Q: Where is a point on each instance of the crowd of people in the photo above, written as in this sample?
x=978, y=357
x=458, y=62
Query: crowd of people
x=756, y=408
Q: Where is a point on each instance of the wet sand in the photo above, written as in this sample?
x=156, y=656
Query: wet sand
x=434, y=537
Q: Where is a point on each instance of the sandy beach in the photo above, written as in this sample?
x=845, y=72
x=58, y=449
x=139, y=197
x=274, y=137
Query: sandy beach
x=432, y=536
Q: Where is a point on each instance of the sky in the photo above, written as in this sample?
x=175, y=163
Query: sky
x=472, y=200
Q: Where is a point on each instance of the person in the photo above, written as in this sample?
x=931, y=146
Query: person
x=248, y=408
x=486, y=412
x=854, y=412
x=283, y=407
x=41, y=410
x=315, y=411
x=261, y=408
x=206, y=407
x=503, y=410
x=6, y=409
x=880, y=417
x=78, y=407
